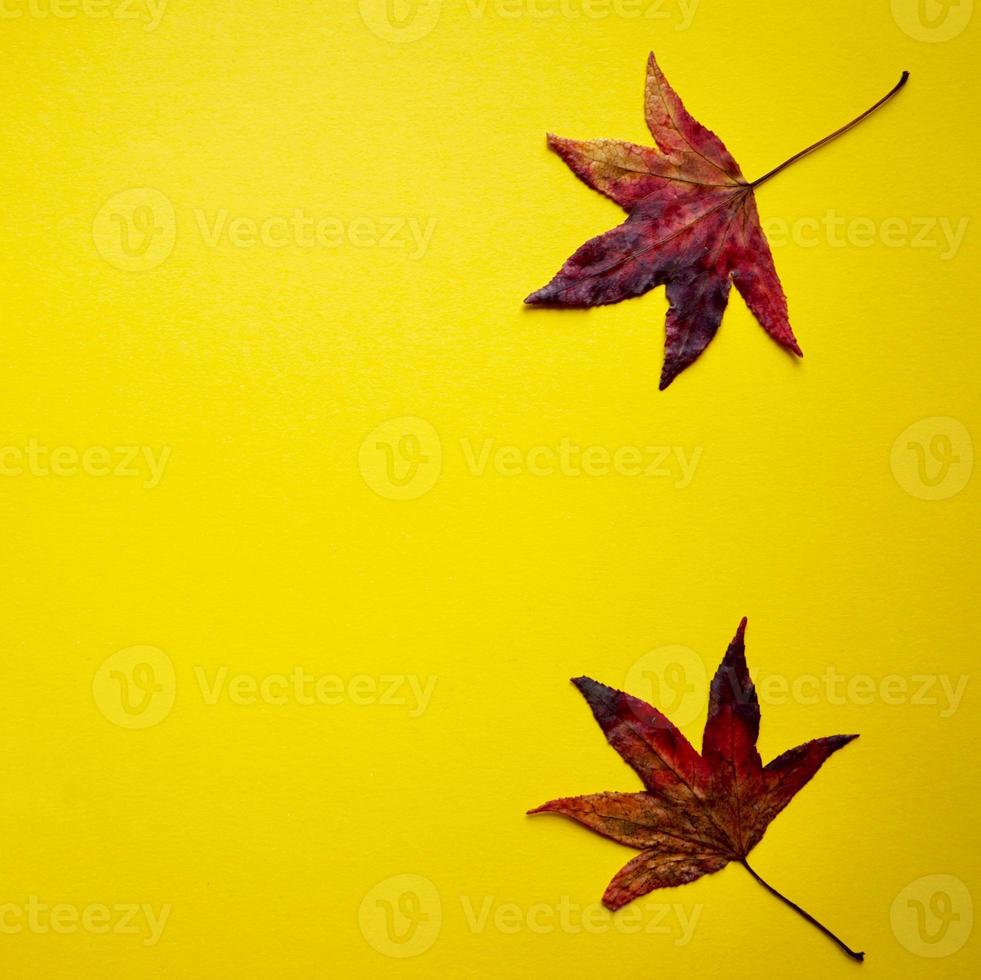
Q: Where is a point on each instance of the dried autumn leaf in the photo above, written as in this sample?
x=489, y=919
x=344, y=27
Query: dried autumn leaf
x=692, y=227
x=698, y=812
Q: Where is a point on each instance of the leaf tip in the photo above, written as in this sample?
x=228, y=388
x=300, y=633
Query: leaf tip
x=740, y=631
x=615, y=898
x=600, y=698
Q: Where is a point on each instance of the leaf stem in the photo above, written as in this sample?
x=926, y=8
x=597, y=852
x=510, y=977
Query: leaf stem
x=835, y=134
x=810, y=918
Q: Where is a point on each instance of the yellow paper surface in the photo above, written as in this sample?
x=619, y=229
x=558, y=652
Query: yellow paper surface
x=283, y=674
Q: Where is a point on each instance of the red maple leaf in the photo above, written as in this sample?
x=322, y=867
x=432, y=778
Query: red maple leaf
x=692, y=226
x=698, y=812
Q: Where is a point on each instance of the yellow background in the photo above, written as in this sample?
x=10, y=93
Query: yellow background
x=263, y=546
